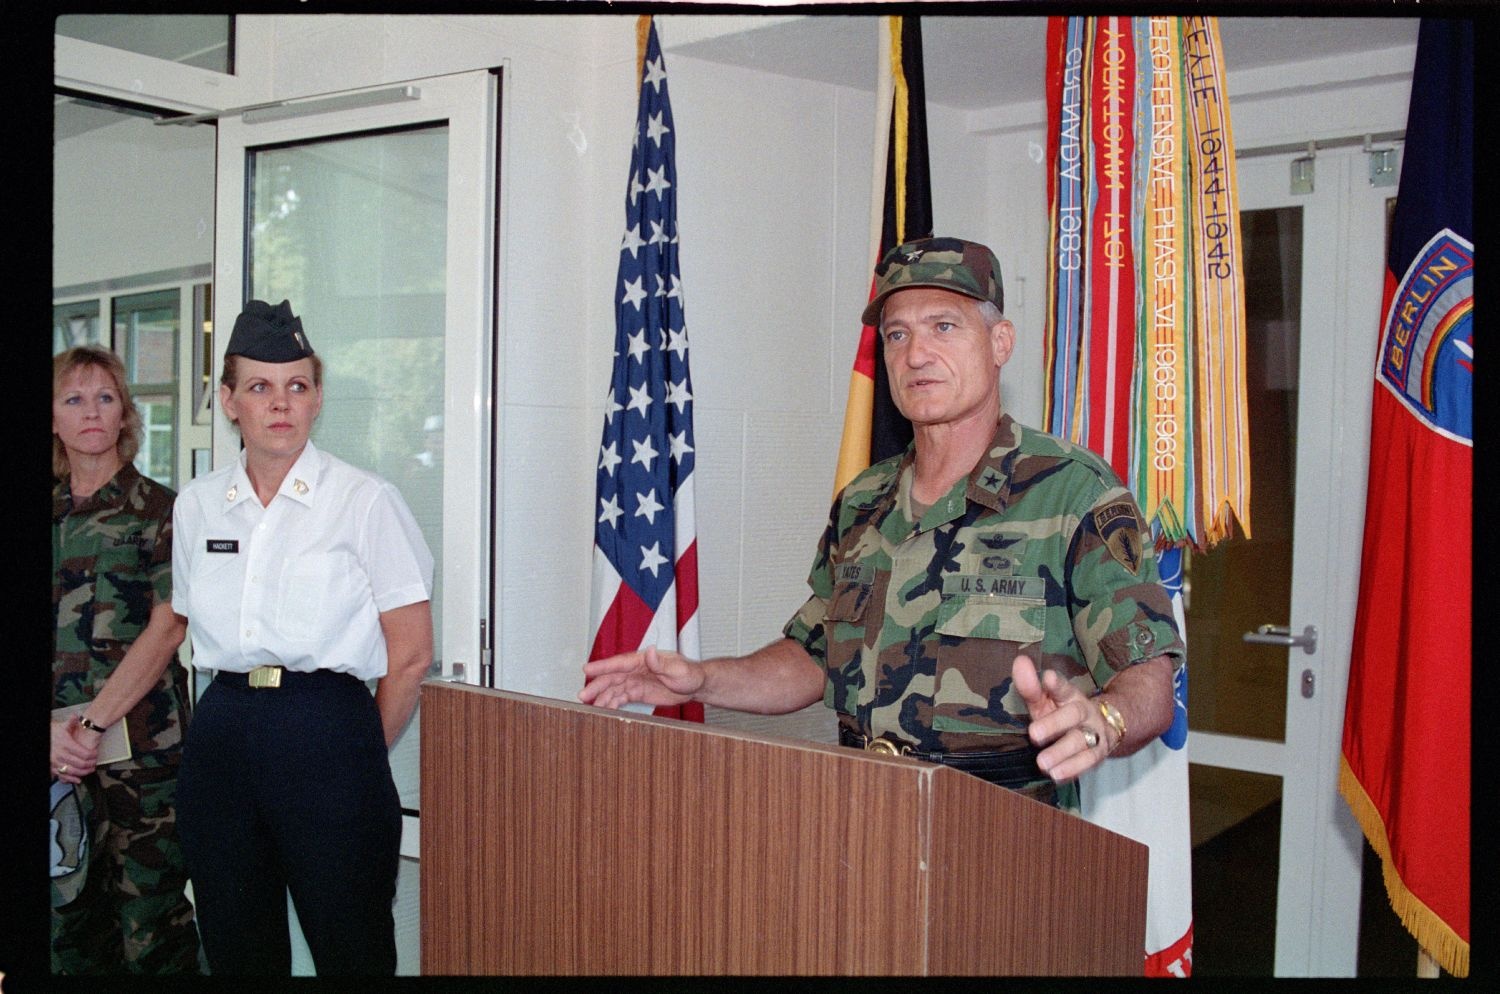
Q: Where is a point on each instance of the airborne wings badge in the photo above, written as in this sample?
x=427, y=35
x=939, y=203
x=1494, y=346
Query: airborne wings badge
x=1121, y=530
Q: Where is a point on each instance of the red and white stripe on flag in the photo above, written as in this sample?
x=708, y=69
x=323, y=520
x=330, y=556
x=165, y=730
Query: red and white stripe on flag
x=645, y=582
x=623, y=622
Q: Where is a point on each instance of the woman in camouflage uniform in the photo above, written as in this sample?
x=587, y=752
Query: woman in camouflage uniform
x=116, y=641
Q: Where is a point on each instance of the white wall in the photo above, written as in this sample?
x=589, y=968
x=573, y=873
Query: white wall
x=155, y=212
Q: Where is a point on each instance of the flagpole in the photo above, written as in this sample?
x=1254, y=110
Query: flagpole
x=1427, y=967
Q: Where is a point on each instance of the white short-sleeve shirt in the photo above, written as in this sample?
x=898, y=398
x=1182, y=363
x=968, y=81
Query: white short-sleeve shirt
x=300, y=583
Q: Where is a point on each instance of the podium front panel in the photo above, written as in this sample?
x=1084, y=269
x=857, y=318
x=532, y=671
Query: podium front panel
x=562, y=839
x=582, y=842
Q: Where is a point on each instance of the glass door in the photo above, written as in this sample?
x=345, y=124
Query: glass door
x=378, y=224
x=1269, y=618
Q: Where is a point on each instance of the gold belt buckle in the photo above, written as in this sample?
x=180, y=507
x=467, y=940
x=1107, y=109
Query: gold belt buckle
x=263, y=677
x=884, y=747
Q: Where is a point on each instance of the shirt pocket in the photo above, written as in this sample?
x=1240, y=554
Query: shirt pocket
x=319, y=595
x=980, y=636
x=1008, y=618
x=844, y=622
x=122, y=596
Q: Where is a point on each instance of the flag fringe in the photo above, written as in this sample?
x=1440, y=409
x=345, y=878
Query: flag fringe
x=642, y=34
x=1434, y=935
x=902, y=113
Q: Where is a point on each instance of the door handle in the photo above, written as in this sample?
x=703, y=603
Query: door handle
x=1282, y=635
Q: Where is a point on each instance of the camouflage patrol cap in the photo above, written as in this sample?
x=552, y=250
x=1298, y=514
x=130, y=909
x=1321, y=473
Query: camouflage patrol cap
x=268, y=334
x=70, y=831
x=953, y=264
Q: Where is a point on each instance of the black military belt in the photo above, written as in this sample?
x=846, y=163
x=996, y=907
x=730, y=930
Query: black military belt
x=1013, y=768
x=281, y=678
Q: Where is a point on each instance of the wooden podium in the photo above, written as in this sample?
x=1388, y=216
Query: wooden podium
x=563, y=839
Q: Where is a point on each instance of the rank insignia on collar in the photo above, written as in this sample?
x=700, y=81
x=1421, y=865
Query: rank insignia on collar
x=232, y=494
x=299, y=486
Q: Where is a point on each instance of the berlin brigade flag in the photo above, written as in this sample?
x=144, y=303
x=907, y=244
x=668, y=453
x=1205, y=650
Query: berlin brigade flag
x=1405, y=767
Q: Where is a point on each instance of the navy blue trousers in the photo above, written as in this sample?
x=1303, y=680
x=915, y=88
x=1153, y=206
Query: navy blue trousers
x=290, y=789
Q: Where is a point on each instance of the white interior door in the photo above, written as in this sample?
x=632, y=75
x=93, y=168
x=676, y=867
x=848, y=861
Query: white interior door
x=1267, y=716
x=373, y=212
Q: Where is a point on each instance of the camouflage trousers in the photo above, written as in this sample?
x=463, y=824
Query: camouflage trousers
x=132, y=915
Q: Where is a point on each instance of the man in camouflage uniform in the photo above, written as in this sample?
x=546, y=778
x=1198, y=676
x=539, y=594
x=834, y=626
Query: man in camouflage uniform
x=988, y=600
x=111, y=555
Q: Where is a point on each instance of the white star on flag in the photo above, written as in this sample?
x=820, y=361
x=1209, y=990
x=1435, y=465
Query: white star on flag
x=635, y=292
x=646, y=506
x=656, y=129
x=677, y=393
x=652, y=558
x=656, y=181
x=655, y=73
x=609, y=510
x=677, y=342
x=609, y=458
x=631, y=242
x=640, y=399
x=644, y=452
x=638, y=345
x=680, y=446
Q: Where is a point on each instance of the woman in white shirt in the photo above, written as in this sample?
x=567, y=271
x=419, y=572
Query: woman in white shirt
x=301, y=577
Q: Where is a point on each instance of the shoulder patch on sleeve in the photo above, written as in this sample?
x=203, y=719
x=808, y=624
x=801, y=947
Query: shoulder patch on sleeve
x=1120, y=528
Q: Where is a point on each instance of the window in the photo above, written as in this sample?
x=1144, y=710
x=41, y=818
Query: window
x=201, y=40
x=75, y=324
x=146, y=327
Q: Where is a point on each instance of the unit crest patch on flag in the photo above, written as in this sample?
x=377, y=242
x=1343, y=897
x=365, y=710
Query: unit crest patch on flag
x=1427, y=350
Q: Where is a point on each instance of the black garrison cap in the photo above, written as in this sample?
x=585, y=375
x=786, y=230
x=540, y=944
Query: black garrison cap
x=268, y=334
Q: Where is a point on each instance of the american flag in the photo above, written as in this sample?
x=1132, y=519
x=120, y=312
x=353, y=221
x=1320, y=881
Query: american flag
x=645, y=589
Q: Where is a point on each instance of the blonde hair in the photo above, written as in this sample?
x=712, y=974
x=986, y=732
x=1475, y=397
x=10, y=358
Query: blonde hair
x=66, y=364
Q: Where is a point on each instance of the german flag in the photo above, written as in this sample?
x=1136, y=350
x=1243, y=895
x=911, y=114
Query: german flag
x=873, y=428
